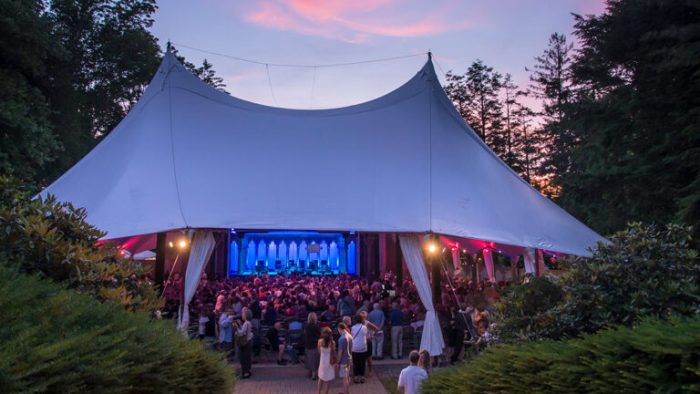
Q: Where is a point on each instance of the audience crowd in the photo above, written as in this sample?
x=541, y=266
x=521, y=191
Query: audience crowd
x=294, y=315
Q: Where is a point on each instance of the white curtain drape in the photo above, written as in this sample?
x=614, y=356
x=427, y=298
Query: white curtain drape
x=200, y=250
x=488, y=263
x=432, y=335
x=529, y=258
x=455, y=258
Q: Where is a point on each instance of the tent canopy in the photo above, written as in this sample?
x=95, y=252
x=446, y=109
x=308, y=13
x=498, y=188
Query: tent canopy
x=189, y=156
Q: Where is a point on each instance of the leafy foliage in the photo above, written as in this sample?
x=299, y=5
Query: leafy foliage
x=656, y=356
x=54, y=240
x=27, y=141
x=70, y=70
x=523, y=309
x=54, y=340
x=635, y=116
x=643, y=272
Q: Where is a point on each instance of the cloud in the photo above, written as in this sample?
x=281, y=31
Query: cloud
x=355, y=20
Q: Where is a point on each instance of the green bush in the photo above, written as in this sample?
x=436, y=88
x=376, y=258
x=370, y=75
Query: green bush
x=53, y=339
x=643, y=272
x=54, y=240
x=522, y=310
x=656, y=356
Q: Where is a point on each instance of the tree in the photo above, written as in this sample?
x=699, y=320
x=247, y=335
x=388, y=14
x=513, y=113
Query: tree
x=205, y=72
x=550, y=82
x=106, y=56
x=635, y=113
x=27, y=141
x=476, y=97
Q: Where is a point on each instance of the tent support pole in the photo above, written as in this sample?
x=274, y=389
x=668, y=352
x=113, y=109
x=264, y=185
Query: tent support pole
x=437, y=278
x=399, y=262
x=159, y=273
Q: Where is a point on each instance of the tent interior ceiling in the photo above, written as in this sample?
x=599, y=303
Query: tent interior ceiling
x=189, y=156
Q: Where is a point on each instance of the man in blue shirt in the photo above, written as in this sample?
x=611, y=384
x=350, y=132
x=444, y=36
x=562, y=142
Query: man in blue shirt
x=396, y=317
x=377, y=318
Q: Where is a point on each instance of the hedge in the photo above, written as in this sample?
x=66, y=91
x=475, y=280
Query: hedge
x=656, y=356
x=53, y=339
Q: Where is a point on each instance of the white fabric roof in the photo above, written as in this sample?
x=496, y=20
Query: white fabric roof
x=188, y=155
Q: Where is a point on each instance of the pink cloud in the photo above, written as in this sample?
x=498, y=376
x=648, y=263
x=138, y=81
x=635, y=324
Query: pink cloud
x=352, y=21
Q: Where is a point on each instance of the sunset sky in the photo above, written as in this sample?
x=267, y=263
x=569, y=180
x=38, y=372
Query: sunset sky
x=505, y=34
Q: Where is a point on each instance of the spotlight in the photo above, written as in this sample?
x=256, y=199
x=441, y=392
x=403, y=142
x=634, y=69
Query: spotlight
x=182, y=244
x=170, y=244
x=432, y=247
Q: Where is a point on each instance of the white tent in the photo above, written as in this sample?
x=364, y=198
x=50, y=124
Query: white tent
x=189, y=156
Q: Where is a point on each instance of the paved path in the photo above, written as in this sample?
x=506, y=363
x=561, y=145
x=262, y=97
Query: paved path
x=292, y=379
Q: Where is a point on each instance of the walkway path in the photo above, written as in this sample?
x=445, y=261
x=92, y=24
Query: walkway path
x=292, y=379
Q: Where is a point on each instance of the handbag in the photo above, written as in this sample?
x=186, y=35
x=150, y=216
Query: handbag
x=242, y=339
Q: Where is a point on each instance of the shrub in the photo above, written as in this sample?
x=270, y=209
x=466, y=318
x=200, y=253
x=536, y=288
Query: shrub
x=521, y=312
x=655, y=356
x=55, y=340
x=643, y=272
x=54, y=240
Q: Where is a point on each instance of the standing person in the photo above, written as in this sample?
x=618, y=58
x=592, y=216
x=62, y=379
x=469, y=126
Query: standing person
x=371, y=329
x=225, y=330
x=411, y=377
x=396, y=318
x=359, y=349
x=312, y=334
x=277, y=342
x=463, y=323
x=377, y=318
x=244, y=340
x=203, y=320
x=344, y=356
x=424, y=361
x=327, y=359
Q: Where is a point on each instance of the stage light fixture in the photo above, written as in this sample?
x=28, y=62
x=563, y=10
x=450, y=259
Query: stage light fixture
x=182, y=244
x=432, y=247
x=171, y=244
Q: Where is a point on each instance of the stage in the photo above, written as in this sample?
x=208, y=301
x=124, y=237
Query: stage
x=286, y=252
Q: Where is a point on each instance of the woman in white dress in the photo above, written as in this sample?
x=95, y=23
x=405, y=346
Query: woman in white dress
x=326, y=367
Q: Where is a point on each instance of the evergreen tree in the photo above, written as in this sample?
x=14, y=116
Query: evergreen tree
x=551, y=83
x=512, y=153
x=637, y=115
x=205, y=72
x=476, y=97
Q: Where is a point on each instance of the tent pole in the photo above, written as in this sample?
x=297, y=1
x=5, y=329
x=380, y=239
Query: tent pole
x=434, y=263
x=399, y=262
x=160, y=259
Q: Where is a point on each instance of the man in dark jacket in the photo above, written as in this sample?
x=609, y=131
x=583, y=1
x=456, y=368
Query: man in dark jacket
x=463, y=326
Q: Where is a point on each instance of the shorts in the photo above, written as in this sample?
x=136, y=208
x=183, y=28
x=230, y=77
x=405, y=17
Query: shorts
x=343, y=370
